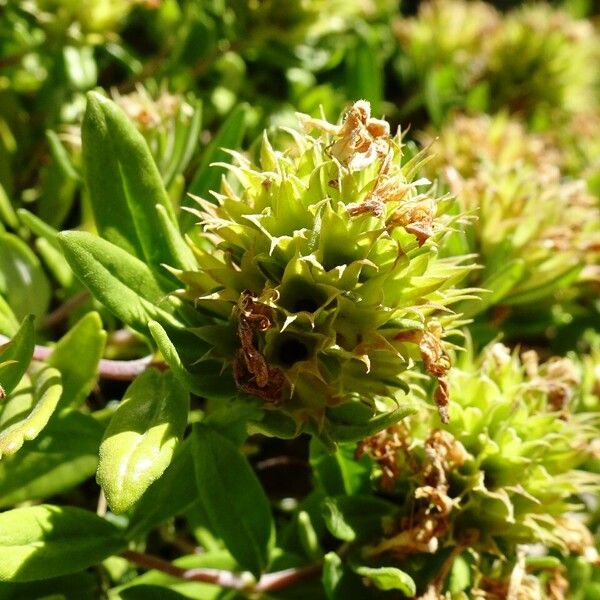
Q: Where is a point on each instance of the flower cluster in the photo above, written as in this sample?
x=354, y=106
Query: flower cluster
x=503, y=472
x=536, y=232
x=462, y=54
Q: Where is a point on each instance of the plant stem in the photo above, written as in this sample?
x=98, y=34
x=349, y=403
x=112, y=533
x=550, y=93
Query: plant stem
x=238, y=581
x=117, y=370
x=64, y=310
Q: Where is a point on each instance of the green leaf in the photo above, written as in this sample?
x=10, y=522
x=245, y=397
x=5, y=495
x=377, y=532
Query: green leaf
x=141, y=437
x=337, y=473
x=308, y=536
x=187, y=140
x=533, y=293
x=168, y=496
x=76, y=356
x=460, y=575
x=57, y=265
x=332, y=574
x=208, y=177
x=16, y=355
x=148, y=592
x=183, y=257
x=172, y=358
x=124, y=182
x=9, y=325
x=77, y=586
x=233, y=499
x=498, y=284
x=22, y=280
x=274, y=424
x=26, y=413
x=48, y=247
x=351, y=517
x=120, y=281
x=61, y=155
x=44, y=541
x=63, y=455
x=7, y=212
x=39, y=227
x=80, y=66
x=206, y=380
x=365, y=78
x=337, y=525
x=201, y=528
x=389, y=578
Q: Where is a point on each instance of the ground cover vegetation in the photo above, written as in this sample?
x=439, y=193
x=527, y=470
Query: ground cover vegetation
x=299, y=300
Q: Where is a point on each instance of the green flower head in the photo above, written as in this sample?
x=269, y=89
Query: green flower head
x=321, y=269
x=506, y=469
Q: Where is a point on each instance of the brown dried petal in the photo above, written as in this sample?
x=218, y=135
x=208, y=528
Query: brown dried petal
x=251, y=371
x=416, y=219
x=442, y=399
x=272, y=389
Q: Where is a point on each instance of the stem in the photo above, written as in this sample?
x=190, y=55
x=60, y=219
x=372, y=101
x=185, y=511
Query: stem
x=282, y=579
x=116, y=370
x=64, y=310
x=102, y=505
x=237, y=581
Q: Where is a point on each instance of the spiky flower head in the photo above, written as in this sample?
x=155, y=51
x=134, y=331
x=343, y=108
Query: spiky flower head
x=536, y=232
x=444, y=51
x=448, y=32
x=462, y=54
x=579, y=143
x=321, y=268
x=552, y=77
x=503, y=472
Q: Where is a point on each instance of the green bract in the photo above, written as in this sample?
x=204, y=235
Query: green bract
x=322, y=272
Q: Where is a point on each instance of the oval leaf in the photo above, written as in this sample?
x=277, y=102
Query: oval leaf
x=44, y=541
x=140, y=439
x=389, y=578
x=65, y=454
x=233, y=499
x=341, y=432
x=22, y=279
x=24, y=415
x=357, y=516
x=168, y=496
x=123, y=180
x=15, y=356
x=120, y=281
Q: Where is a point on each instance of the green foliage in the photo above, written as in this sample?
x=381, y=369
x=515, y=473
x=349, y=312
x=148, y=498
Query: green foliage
x=233, y=499
x=140, y=439
x=47, y=541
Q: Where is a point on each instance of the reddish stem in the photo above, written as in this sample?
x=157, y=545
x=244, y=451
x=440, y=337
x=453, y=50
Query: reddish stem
x=238, y=581
x=117, y=370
